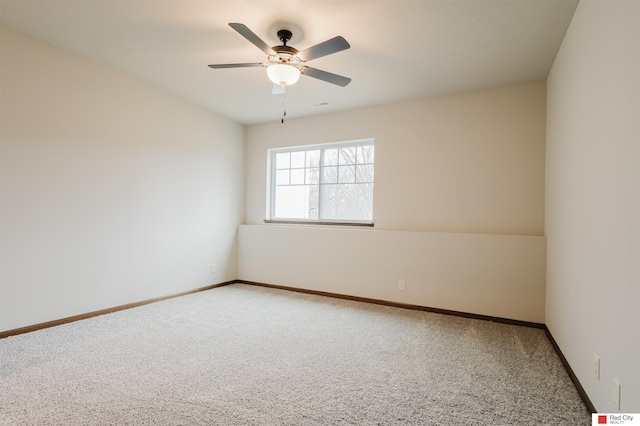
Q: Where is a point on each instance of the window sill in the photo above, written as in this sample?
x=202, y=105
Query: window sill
x=302, y=222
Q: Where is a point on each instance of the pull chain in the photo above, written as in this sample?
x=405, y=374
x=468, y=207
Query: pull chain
x=284, y=104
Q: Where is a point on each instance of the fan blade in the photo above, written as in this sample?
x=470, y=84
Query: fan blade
x=253, y=64
x=328, y=47
x=325, y=76
x=277, y=89
x=250, y=35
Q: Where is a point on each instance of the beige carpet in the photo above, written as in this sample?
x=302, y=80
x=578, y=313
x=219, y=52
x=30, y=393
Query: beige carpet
x=245, y=355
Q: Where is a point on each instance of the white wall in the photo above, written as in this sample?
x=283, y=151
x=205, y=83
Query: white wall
x=593, y=199
x=461, y=165
x=112, y=190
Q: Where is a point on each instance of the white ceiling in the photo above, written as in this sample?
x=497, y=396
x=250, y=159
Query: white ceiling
x=400, y=49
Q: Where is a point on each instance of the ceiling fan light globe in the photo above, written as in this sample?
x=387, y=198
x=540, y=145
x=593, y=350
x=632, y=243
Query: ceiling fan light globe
x=283, y=74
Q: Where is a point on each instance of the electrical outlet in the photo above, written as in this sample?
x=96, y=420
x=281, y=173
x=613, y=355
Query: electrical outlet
x=596, y=359
x=617, y=393
x=402, y=285
x=213, y=268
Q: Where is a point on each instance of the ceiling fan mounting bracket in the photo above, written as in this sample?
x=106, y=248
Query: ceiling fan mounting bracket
x=284, y=36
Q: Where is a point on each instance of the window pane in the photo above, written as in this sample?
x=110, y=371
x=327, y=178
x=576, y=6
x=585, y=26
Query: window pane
x=346, y=174
x=364, y=173
x=331, y=157
x=348, y=155
x=314, y=199
x=282, y=177
x=329, y=174
x=365, y=154
x=313, y=158
x=293, y=202
x=312, y=175
x=350, y=201
x=283, y=160
x=297, y=177
x=297, y=159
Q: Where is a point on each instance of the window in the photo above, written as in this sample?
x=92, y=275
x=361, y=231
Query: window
x=330, y=183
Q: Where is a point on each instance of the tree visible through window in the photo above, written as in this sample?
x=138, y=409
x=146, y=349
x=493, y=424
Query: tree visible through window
x=323, y=183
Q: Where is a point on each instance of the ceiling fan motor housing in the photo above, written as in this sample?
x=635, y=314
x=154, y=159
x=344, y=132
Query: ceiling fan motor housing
x=284, y=54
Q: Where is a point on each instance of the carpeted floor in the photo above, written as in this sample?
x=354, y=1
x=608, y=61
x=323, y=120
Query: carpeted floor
x=245, y=355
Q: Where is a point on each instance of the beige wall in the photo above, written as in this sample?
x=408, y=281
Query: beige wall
x=593, y=199
x=112, y=191
x=495, y=275
x=471, y=162
x=451, y=173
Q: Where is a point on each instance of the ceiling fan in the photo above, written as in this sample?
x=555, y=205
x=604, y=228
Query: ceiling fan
x=285, y=63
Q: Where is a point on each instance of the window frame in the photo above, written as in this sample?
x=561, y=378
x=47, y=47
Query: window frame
x=271, y=184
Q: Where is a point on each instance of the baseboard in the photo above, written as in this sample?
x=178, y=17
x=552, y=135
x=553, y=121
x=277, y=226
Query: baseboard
x=66, y=320
x=40, y=326
x=400, y=305
x=572, y=375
